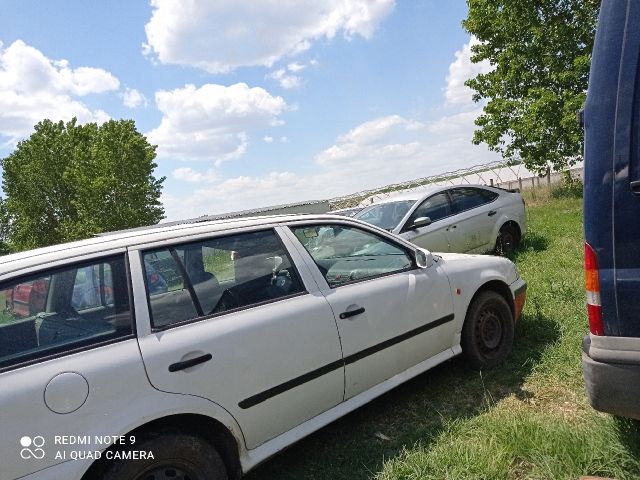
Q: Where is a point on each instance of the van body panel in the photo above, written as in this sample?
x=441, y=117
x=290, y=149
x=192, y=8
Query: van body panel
x=612, y=207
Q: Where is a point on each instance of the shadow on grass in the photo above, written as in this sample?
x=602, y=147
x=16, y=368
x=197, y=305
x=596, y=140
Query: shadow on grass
x=356, y=446
x=629, y=434
x=532, y=242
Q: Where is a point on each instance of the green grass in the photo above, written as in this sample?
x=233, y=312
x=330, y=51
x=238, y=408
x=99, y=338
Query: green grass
x=219, y=263
x=527, y=419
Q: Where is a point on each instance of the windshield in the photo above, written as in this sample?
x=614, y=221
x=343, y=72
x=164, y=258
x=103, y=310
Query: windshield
x=386, y=215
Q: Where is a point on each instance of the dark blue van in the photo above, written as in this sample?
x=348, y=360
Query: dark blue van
x=611, y=352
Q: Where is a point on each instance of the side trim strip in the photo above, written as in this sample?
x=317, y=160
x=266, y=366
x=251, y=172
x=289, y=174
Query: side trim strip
x=392, y=341
x=312, y=375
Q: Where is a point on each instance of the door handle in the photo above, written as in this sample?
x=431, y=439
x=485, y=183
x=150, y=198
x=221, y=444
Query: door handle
x=351, y=313
x=174, y=367
x=492, y=213
x=451, y=227
x=635, y=187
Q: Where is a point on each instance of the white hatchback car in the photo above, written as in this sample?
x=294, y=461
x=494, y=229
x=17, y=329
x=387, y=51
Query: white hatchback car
x=198, y=351
x=464, y=218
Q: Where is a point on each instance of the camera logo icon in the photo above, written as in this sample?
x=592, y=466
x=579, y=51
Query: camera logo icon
x=32, y=447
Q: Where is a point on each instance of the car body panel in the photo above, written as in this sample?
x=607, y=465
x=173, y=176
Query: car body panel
x=252, y=349
x=394, y=305
x=468, y=231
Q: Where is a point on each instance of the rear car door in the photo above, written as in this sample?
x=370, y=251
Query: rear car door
x=435, y=236
x=474, y=221
x=234, y=320
x=391, y=315
x=69, y=360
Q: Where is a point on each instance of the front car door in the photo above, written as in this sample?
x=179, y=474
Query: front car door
x=231, y=318
x=435, y=236
x=391, y=315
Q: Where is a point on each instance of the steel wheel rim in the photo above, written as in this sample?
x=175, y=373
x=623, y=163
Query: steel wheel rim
x=489, y=331
x=507, y=240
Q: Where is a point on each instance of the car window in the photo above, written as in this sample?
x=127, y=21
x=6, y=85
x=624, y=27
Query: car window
x=93, y=287
x=188, y=281
x=63, y=309
x=344, y=254
x=385, y=215
x=435, y=207
x=468, y=197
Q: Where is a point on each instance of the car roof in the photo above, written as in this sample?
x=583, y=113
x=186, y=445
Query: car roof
x=422, y=193
x=154, y=233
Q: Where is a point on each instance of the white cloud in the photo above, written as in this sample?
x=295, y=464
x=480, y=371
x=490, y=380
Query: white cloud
x=220, y=36
x=132, y=98
x=380, y=151
x=211, y=122
x=33, y=87
x=285, y=80
x=267, y=139
x=375, y=153
x=187, y=174
x=295, y=67
x=461, y=70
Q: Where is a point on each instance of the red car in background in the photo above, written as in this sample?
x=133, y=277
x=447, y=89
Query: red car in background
x=27, y=298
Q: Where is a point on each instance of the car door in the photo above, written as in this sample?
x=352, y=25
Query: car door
x=475, y=219
x=391, y=315
x=69, y=360
x=435, y=236
x=238, y=324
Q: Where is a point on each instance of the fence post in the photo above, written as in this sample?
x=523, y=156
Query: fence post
x=520, y=183
x=491, y=181
x=548, y=175
x=533, y=182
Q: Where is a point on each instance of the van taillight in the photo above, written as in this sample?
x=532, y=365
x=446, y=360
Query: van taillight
x=592, y=284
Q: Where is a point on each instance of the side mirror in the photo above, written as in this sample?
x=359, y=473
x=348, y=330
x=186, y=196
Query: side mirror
x=420, y=222
x=424, y=258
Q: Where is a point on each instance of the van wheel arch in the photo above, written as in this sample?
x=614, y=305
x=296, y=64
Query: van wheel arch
x=205, y=427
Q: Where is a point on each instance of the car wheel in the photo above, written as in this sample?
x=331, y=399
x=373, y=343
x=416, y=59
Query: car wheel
x=508, y=239
x=487, y=333
x=175, y=457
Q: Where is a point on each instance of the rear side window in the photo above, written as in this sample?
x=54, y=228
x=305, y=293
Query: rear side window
x=467, y=198
x=63, y=309
x=188, y=281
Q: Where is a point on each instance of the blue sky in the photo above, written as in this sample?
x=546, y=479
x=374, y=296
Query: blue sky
x=252, y=102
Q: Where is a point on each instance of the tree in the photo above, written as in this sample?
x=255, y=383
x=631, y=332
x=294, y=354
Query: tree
x=540, y=51
x=69, y=181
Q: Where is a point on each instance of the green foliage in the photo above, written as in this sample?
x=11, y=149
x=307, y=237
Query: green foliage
x=569, y=187
x=69, y=181
x=540, y=51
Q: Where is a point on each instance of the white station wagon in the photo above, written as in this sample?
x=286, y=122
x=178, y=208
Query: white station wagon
x=462, y=218
x=199, y=350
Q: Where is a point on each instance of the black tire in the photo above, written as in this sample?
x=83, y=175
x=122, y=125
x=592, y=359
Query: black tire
x=508, y=239
x=487, y=333
x=177, y=456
